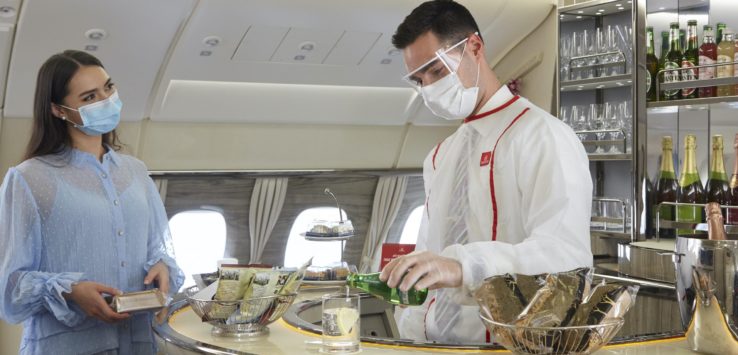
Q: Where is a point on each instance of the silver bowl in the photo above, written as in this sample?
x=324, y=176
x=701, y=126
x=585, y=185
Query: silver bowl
x=240, y=319
x=584, y=339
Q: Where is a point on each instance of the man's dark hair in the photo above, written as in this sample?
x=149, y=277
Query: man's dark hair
x=448, y=20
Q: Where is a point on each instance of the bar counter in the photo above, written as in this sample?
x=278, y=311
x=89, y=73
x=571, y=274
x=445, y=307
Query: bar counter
x=183, y=333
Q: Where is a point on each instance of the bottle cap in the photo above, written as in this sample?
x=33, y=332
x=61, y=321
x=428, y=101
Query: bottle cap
x=717, y=142
x=666, y=143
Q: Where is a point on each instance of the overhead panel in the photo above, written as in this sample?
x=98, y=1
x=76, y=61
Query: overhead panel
x=352, y=48
x=260, y=43
x=306, y=45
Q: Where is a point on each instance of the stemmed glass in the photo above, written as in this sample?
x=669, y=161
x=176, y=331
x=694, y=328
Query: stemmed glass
x=614, y=121
x=602, y=48
x=565, y=55
x=627, y=112
x=564, y=115
x=597, y=123
x=589, y=48
x=579, y=121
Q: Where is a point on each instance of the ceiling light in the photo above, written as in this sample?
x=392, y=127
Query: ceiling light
x=299, y=57
x=579, y=16
x=205, y=53
x=580, y=12
x=386, y=61
x=394, y=51
x=91, y=47
x=211, y=41
x=7, y=11
x=96, y=34
x=662, y=8
x=601, y=10
x=307, y=46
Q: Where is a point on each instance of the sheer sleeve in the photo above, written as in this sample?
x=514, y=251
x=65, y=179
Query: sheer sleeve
x=25, y=291
x=160, y=246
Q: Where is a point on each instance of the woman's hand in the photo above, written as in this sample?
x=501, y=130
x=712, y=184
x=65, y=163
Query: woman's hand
x=159, y=273
x=88, y=295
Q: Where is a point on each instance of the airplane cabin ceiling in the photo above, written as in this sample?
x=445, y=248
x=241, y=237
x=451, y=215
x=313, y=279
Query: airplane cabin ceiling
x=279, y=61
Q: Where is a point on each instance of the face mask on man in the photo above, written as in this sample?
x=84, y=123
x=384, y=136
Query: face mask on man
x=100, y=117
x=446, y=97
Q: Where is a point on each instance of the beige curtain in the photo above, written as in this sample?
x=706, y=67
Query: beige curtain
x=267, y=200
x=161, y=185
x=387, y=201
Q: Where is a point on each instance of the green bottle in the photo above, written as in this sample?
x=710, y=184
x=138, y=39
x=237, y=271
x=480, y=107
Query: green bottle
x=371, y=284
x=720, y=27
x=717, y=187
x=690, y=187
x=652, y=64
x=690, y=60
x=673, y=60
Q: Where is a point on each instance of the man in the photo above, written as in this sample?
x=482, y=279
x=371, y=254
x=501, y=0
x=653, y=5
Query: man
x=509, y=192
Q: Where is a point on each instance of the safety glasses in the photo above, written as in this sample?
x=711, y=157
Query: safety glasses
x=445, y=62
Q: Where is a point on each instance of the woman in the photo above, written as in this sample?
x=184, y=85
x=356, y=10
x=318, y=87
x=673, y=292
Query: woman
x=78, y=220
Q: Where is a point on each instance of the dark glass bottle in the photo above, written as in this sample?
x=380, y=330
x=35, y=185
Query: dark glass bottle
x=667, y=187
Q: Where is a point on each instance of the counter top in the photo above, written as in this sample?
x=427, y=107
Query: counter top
x=186, y=331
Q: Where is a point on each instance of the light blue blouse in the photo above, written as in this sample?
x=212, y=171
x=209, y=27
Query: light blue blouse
x=66, y=218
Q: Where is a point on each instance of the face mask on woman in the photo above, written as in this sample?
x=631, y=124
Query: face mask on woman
x=99, y=117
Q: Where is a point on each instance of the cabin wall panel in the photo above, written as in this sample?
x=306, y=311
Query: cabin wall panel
x=414, y=197
x=229, y=195
x=536, y=84
x=355, y=195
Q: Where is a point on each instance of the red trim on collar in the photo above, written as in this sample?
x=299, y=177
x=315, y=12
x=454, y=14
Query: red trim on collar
x=492, y=111
x=492, y=175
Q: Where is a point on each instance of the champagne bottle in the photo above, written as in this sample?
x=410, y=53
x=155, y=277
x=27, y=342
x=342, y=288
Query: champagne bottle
x=717, y=187
x=690, y=59
x=733, y=213
x=667, y=187
x=690, y=187
x=673, y=61
x=708, y=55
x=715, y=225
x=652, y=64
x=371, y=283
x=726, y=52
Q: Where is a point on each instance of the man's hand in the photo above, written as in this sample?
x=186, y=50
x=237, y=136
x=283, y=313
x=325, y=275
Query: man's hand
x=159, y=273
x=424, y=270
x=88, y=295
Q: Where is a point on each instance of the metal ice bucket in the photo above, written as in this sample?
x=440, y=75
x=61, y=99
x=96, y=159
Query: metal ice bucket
x=707, y=282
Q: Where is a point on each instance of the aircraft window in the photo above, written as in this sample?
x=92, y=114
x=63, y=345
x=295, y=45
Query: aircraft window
x=412, y=226
x=299, y=250
x=199, y=238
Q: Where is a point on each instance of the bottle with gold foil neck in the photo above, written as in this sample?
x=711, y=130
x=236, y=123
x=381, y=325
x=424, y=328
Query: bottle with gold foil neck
x=717, y=183
x=732, y=215
x=690, y=187
x=667, y=187
x=715, y=225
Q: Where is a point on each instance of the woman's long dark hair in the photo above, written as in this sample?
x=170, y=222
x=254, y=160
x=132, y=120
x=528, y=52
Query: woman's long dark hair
x=50, y=135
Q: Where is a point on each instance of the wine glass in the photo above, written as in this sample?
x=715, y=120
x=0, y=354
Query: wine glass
x=597, y=123
x=565, y=55
x=614, y=121
x=627, y=113
x=579, y=121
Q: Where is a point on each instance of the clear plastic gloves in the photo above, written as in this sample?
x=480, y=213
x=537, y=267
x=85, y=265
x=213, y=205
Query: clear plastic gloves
x=422, y=269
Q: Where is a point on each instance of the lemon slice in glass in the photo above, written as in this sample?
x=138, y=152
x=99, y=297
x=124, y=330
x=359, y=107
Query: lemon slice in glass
x=346, y=318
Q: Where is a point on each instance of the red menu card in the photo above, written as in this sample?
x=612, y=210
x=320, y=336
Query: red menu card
x=393, y=250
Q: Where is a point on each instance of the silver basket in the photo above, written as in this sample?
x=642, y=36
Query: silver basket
x=240, y=319
x=553, y=340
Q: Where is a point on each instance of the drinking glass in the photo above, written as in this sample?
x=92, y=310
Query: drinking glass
x=588, y=48
x=614, y=210
x=597, y=123
x=627, y=110
x=341, y=319
x=565, y=57
x=613, y=121
x=579, y=121
x=597, y=212
x=564, y=115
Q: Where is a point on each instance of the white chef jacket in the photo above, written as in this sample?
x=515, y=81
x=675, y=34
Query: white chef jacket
x=526, y=210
